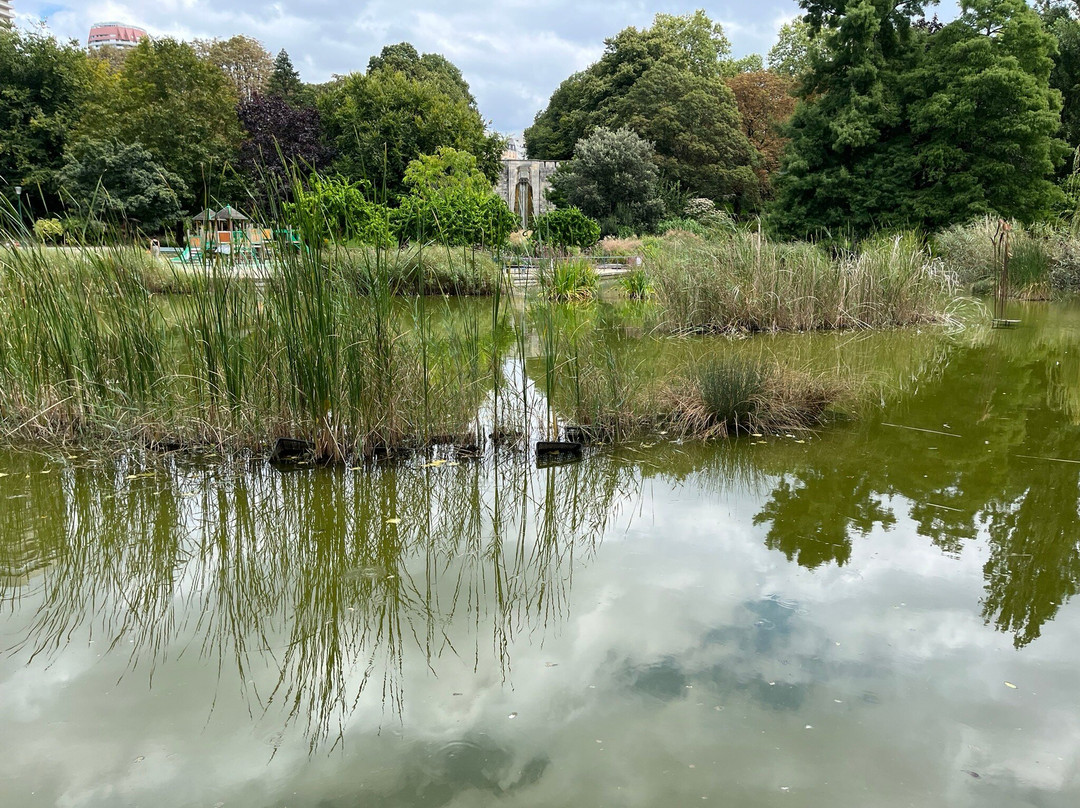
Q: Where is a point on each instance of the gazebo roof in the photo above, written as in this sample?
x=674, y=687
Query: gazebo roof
x=206, y=216
x=230, y=214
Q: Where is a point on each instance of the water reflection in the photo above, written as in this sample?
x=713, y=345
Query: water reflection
x=989, y=447
x=334, y=576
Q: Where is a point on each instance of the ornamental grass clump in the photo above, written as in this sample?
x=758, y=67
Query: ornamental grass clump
x=746, y=282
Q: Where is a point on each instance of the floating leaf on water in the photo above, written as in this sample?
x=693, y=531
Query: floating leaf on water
x=1010, y=684
x=757, y=435
x=434, y=463
x=800, y=441
x=394, y=521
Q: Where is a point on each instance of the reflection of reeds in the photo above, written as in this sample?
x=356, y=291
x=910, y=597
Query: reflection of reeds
x=331, y=579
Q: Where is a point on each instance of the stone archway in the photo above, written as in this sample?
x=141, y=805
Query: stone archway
x=523, y=201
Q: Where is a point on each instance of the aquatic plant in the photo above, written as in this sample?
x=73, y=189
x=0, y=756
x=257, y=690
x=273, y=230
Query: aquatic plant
x=575, y=279
x=746, y=282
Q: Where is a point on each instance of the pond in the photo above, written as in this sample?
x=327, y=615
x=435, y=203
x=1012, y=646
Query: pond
x=874, y=614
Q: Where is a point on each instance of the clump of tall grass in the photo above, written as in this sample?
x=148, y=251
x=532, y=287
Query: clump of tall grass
x=746, y=282
x=732, y=395
x=972, y=253
x=636, y=284
x=575, y=279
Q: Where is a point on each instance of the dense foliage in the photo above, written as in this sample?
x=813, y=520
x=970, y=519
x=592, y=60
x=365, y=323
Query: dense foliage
x=565, y=228
x=378, y=122
x=666, y=83
x=613, y=179
x=43, y=87
x=905, y=125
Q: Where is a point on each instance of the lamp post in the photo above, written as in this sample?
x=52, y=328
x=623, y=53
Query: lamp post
x=18, y=195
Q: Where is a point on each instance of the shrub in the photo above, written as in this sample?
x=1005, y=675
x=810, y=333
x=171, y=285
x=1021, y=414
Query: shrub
x=48, y=230
x=565, y=228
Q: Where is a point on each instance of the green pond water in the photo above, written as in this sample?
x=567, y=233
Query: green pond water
x=876, y=614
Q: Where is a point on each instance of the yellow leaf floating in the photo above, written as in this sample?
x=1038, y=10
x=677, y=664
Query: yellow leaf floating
x=1010, y=684
x=393, y=521
x=434, y=463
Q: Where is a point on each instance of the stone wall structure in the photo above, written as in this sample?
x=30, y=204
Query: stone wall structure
x=523, y=185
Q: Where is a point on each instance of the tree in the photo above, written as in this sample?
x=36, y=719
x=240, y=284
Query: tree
x=284, y=82
x=848, y=166
x=178, y=107
x=279, y=138
x=334, y=208
x=429, y=67
x=378, y=123
x=121, y=184
x=765, y=103
x=693, y=123
x=985, y=119
x=242, y=59
x=914, y=125
x=666, y=84
x=1059, y=19
x=44, y=86
x=795, y=49
x=451, y=200
x=613, y=179
x=447, y=169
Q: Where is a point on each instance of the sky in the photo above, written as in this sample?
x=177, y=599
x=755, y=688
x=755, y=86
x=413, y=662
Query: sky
x=513, y=53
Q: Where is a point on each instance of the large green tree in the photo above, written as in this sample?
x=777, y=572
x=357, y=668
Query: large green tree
x=377, y=123
x=984, y=119
x=120, y=184
x=243, y=60
x=667, y=84
x=433, y=68
x=43, y=87
x=914, y=125
x=177, y=106
x=1060, y=19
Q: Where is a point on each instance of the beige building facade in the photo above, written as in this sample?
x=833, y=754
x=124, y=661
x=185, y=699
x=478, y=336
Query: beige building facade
x=7, y=13
x=523, y=186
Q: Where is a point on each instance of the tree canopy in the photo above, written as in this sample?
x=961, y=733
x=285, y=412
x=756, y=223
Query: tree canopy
x=904, y=125
x=378, y=122
x=666, y=83
x=613, y=179
x=43, y=87
x=243, y=60
x=180, y=108
x=121, y=184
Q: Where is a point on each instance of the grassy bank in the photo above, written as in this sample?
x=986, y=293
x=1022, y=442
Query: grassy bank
x=1044, y=261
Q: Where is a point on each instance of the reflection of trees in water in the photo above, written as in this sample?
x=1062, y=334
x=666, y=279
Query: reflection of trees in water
x=331, y=577
x=1000, y=399
x=811, y=520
